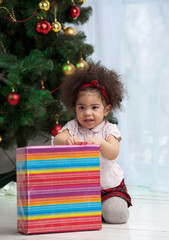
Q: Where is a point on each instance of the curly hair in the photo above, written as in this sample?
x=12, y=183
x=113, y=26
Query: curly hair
x=107, y=78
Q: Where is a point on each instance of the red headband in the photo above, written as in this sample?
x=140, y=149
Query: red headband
x=95, y=84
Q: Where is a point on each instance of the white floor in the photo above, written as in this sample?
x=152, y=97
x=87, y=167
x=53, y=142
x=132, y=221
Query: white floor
x=149, y=220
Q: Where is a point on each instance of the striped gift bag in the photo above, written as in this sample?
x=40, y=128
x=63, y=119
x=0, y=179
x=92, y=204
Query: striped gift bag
x=58, y=188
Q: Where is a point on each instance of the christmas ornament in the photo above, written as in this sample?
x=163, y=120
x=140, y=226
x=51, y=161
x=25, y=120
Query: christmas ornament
x=56, y=127
x=0, y=139
x=13, y=98
x=43, y=27
x=74, y=12
x=44, y=5
x=81, y=64
x=68, y=68
x=81, y=1
x=70, y=31
x=56, y=26
x=1, y=1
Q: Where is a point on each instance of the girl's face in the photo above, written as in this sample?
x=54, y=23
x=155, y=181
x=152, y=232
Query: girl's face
x=90, y=110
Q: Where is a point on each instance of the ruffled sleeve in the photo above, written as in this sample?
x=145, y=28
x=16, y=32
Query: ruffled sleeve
x=111, y=129
x=72, y=127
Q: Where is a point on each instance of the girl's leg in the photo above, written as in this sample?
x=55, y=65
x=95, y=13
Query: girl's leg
x=115, y=210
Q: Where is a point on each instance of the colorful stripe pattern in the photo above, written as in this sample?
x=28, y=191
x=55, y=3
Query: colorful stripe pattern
x=58, y=188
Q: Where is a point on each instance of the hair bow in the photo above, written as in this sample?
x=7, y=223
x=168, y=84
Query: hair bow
x=95, y=84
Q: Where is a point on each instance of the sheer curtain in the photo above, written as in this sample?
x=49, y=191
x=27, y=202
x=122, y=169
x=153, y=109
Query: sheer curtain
x=132, y=37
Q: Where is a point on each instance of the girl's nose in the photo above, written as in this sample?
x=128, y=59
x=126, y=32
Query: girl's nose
x=87, y=112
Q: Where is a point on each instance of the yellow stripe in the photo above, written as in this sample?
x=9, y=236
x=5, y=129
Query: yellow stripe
x=63, y=215
x=85, y=169
x=58, y=202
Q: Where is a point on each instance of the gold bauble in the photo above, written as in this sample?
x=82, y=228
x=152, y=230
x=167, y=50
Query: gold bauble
x=0, y=139
x=44, y=5
x=70, y=31
x=81, y=1
x=81, y=64
x=56, y=26
x=68, y=68
x=1, y=1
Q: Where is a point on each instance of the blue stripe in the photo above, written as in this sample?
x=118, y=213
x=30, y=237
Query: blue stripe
x=58, y=209
x=58, y=163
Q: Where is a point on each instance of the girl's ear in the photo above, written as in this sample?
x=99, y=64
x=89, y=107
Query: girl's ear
x=107, y=110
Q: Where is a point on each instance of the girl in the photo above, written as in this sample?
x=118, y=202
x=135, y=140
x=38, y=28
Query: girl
x=91, y=93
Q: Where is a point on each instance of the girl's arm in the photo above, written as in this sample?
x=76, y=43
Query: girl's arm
x=109, y=148
x=64, y=138
x=60, y=138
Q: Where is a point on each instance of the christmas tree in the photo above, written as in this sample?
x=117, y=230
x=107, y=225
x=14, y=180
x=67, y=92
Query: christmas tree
x=39, y=44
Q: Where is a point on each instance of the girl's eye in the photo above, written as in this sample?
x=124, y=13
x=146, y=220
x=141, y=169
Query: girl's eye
x=95, y=107
x=81, y=107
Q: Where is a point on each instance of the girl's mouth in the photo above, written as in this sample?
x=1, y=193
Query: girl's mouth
x=88, y=120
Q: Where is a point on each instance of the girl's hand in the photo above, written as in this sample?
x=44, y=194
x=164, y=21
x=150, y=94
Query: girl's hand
x=94, y=140
x=72, y=141
x=108, y=148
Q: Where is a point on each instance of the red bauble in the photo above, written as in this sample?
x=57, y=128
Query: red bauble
x=43, y=27
x=74, y=12
x=55, y=129
x=13, y=98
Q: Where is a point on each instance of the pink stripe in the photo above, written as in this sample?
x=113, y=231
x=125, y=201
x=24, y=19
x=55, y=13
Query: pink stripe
x=60, y=224
x=78, y=192
x=64, y=187
x=46, y=149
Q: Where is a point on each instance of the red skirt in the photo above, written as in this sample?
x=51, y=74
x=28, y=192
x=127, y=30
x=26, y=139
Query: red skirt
x=119, y=191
